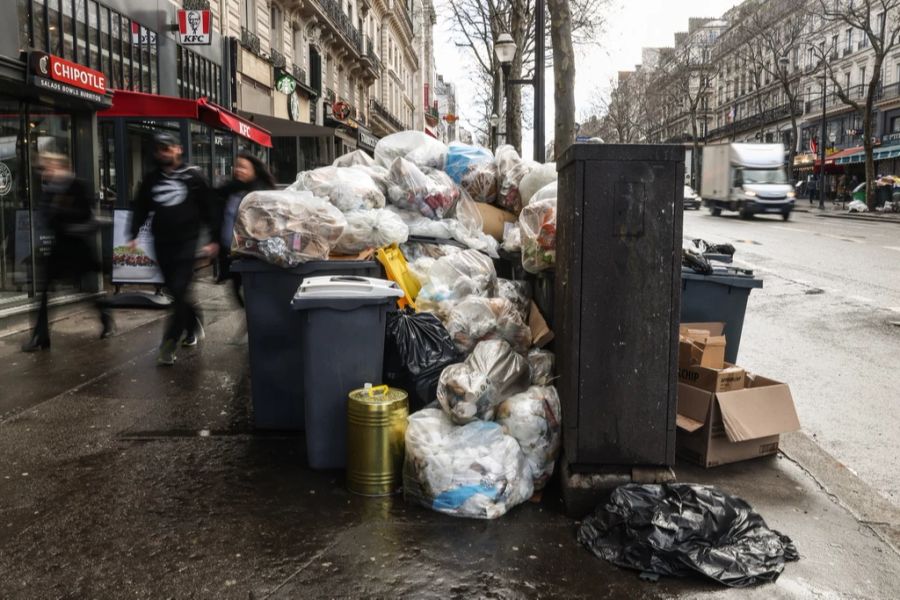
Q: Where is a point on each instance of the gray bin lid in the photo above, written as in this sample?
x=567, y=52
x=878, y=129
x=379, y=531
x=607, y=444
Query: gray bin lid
x=344, y=292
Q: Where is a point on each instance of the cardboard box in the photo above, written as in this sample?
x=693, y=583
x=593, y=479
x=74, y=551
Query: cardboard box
x=541, y=335
x=701, y=344
x=727, y=379
x=494, y=219
x=716, y=428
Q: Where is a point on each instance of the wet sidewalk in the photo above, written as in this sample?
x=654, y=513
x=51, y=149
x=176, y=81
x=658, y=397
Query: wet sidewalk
x=120, y=479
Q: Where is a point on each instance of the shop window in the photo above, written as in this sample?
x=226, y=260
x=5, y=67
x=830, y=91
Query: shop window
x=248, y=15
x=38, y=24
x=116, y=51
x=895, y=124
x=201, y=149
x=54, y=28
x=223, y=158
x=81, y=50
x=127, y=73
x=93, y=36
x=146, y=42
x=105, y=55
x=277, y=23
x=22, y=10
x=68, y=25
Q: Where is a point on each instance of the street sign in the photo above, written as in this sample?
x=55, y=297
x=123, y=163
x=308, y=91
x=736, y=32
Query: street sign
x=195, y=27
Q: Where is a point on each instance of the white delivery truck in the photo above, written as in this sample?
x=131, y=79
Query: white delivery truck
x=747, y=178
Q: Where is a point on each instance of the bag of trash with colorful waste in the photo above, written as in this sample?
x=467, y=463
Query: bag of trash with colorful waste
x=348, y=188
x=415, y=146
x=511, y=169
x=473, y=169
x=286, y=228
x=455, y=277
x=538, y=224
x=374, y=228
x=428, y=191
x=541, y=364
x=476, y=319
x=475, y=470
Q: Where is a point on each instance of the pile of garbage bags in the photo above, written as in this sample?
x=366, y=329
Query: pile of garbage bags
x=682, y=529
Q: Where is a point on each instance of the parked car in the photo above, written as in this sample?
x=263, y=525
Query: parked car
x=691, y=199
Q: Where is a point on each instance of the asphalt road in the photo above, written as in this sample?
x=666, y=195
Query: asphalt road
x=823, y=324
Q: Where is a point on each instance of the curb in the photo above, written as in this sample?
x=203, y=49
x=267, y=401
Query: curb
x=861, y=217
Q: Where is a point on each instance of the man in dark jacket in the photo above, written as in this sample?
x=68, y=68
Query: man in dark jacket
x=66, y=207
x=179, y=201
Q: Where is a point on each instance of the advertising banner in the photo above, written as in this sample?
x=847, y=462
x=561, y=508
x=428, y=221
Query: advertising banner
x=137, y=265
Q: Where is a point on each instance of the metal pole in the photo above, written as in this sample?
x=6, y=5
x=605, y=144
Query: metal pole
x=539, y=152
x=822, y=146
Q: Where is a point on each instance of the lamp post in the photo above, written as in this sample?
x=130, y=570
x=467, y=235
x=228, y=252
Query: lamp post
x=505, y=50
x=495, y=120
x=822, y=142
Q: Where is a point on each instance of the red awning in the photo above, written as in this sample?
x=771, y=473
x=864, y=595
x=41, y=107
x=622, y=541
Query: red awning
x=152, y=106
x=831, y=158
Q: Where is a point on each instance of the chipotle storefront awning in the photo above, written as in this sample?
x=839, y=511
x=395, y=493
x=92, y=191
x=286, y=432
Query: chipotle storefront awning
x=152, y=106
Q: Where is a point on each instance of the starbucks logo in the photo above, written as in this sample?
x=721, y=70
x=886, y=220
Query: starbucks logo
x=6, y=180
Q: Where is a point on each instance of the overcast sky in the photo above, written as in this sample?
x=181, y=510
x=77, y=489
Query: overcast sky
x=632, y=25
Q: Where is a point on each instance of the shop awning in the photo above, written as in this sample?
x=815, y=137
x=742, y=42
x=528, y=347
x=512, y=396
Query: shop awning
x=879, y=154
x=285, y=128
x=835, y=159
x=153, y=106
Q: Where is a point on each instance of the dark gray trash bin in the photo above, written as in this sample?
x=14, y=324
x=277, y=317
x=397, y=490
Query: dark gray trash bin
x=273, y=330
x=720, y=297
x=343, y=349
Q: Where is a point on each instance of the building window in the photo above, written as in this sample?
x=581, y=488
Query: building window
x=849, y=39
x=277, y=24
x=197, y=77
x=248, y=15
x=862, y=75
x=298, y=47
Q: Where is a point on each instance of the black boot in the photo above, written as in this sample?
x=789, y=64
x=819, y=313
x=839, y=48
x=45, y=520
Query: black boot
x=37, y=342
x=109, y=325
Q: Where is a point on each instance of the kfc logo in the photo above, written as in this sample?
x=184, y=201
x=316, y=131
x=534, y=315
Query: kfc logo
x=195, y=27
x=244, y=129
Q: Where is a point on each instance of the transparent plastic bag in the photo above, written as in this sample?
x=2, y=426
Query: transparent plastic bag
x=541, y=176
x=474, y=170
x=510, y=171
x=473, y=389
x=477, y=319
x=415, y=146
x=512, y=237
x=538, y=225
x=467, y=227
x=286, y=228
x=474, y=471
x=548, y=192
x=517, y=292
x=455, y=277
x=429, y=191
x=355, y=158
x=348, y=188
x=422, y=226
x=534, y=419
x=374, y=228
x=541, y=364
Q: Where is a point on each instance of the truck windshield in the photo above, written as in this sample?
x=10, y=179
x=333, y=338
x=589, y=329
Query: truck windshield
x=755, y=176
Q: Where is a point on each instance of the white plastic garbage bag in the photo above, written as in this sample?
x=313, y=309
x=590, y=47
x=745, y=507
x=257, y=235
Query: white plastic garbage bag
x=536, y=179
x=517, y=292
x=286, y=228
x=541, y=364
x=474, y=388
x=534, y=419
x=374, y=228
x=357, y=157
x=415, y=146
x=455, y=277
x=474, y=471
x=512, y=237
x=476, y=319
x=348, y=188
x=473, y=169
x=510, y=171
x=538, y=225
x=548, y=192
x=857, y=206
x=467, y=226
x=428, y=191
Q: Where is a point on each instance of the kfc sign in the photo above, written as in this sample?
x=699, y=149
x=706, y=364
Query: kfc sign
x=141, y=35
x=195, y=27
x=67, y=72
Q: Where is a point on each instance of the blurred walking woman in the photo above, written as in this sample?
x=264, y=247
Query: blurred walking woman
x=66, y=207
x=249, y=175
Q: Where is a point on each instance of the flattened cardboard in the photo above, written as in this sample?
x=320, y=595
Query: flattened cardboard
x=494, y=219
x=701, y=344
x=712, y=328
x=541, y=335
x=727, y=379
x=756, y=416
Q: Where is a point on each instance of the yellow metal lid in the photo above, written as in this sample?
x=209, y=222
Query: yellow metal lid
x=380, y=394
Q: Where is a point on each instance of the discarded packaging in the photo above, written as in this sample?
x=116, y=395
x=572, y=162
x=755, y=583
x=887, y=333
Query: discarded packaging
x=415, y=146
x=540, y=362
x=455, y=277
x=510, y=171
x=348, y=188
x=537, y=179
x=473, y=169
x=428, y=191
x=538, y=224
x=683, y=529
x=517, y=292
x=374, y=228
x=474, y=471
x=476, y=319
x=533, y=418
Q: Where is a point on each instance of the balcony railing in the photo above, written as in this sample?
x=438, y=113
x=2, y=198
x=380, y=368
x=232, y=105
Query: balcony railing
x=249, y=40
x=385, y=114
x=847, y=51
x=299, y=74
x=277, y=59
x=889, y=91
x=767, y=116
x=370, y=54
x=342, y=23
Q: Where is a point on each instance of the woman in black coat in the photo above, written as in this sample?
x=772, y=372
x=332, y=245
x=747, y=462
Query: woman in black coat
x=250, y=174
x=66, y=205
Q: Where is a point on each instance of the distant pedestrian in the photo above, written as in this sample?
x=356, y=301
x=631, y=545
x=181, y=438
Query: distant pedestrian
x=812, y=188
x=181, y=202
x=249, y=175
x=66, y=207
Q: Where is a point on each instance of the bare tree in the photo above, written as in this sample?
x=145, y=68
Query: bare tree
x=880, y=24
x=617, y=110
x=563, y=74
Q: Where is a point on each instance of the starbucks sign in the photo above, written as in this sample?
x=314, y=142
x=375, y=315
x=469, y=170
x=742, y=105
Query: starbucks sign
x=6, y=179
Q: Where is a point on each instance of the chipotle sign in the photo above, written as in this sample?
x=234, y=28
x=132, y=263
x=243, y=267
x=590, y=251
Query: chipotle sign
x=68, y=72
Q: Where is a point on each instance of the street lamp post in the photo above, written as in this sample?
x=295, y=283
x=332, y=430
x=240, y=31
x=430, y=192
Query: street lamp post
x=495, y=120
x=822, y=143
x=505, y=50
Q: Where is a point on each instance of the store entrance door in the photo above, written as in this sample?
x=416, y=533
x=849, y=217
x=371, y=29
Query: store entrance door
x=15, y=234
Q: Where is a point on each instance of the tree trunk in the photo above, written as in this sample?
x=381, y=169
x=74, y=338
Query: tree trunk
x=870, y=158
x=563, y=75
x=517, y=24
x=695, y=153
x=793, y=148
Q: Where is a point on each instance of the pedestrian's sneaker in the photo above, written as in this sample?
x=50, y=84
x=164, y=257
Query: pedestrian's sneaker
x=194, y=336
x=166, y=353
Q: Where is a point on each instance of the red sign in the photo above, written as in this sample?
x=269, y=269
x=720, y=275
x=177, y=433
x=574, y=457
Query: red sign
x=65, y=71
x=195, y=27
x=340, y=111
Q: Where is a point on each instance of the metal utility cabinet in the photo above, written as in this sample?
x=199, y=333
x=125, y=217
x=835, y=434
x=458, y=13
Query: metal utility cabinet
x=618, y=281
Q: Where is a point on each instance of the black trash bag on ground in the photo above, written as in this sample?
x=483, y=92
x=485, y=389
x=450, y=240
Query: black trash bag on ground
x=417, y=348
x=693, y=259
x=710, y=248
x=680, y=529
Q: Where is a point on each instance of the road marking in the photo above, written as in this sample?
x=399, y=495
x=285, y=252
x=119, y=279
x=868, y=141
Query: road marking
x=862, y=299
x=789, y=228
x=897, y=248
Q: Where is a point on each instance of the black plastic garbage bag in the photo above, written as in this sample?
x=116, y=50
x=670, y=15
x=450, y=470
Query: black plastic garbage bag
x=417, y=348
x=680, y=529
